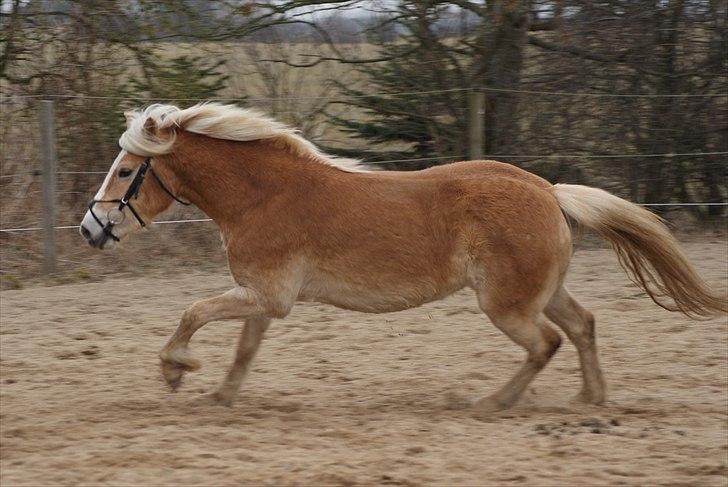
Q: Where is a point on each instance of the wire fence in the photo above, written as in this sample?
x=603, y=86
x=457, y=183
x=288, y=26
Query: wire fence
x=391, y=161
x=201, y=220
x=22, y=181
x=457, y=157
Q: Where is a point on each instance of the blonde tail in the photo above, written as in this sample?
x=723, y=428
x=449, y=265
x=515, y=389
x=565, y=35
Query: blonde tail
x=646, y=249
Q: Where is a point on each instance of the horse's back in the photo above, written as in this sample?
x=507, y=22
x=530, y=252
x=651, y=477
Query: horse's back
x=484, y=169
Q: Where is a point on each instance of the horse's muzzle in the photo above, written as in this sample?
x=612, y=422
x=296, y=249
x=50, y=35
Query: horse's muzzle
x=85, y=233
x=95, y=242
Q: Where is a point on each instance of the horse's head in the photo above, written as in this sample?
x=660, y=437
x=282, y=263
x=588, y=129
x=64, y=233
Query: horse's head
x=130, y=196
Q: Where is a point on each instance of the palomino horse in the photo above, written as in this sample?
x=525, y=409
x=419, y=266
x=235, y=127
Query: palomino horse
x=298, y=225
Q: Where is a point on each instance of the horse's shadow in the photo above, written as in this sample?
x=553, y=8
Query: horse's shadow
x=254, y=407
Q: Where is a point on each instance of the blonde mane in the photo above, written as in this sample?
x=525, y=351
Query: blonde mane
x=218, y=121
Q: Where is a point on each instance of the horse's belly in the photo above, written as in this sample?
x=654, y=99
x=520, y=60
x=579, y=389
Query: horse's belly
x=377, y=298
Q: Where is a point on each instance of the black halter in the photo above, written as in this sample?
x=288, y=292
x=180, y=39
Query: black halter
x=125, y=201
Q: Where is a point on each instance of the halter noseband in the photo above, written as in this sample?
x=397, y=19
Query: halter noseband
x=125, y=201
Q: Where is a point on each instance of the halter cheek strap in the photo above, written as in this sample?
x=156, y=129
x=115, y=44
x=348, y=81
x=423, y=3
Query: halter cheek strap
x=161, y=185
x=125, y=201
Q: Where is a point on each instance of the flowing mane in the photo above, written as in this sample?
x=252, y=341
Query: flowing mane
x=218, y=121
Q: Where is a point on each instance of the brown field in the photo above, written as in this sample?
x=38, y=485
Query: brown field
x=340, y=398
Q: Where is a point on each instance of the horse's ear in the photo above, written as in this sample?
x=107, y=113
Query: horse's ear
x=150, y=126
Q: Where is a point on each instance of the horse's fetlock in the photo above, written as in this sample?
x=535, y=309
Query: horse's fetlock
x=179, y=357
x=164, y=355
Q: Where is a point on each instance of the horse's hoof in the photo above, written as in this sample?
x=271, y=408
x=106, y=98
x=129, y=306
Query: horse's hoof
x=174, y=365
x=487, y=406
x=220, y=398
x=172, y=374
x=586, y=397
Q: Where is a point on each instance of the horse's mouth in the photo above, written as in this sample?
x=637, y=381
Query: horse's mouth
x=101, y=241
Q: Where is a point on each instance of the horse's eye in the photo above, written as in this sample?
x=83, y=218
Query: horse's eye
x=124, y=172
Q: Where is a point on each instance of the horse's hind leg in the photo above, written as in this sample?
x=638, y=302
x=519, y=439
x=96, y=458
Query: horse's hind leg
x=578, y=324
x=248, y=345
x=539, y=340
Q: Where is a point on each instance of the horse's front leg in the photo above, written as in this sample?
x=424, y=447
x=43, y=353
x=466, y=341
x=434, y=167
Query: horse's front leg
x=248, y=345
x=238, y=303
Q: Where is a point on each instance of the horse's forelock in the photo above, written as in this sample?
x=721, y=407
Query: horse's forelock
x=138, y=139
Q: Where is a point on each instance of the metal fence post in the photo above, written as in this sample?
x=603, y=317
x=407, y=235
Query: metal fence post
x=48, y=151
x=476, y=124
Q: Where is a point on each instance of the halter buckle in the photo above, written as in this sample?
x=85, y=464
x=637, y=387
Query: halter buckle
x=115, y=216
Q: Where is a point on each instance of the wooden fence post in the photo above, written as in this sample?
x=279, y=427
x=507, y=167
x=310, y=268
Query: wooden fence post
x=48, y=150
x=476, y=124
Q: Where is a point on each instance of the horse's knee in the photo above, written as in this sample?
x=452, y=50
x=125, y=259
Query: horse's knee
x=190, y=317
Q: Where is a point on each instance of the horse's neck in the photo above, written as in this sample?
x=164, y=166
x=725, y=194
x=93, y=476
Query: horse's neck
x=227, y=179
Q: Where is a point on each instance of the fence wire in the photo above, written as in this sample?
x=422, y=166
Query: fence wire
x=564, y=140
x=201, y=220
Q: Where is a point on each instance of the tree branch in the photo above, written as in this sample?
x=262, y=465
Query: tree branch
x=575, y=51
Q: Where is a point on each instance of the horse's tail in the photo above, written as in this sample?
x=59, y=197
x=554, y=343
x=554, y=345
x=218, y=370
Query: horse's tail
x=647, y=251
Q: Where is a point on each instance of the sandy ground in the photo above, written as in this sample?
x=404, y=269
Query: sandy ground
x=340, y=398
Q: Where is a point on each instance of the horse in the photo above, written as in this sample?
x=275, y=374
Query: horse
x=300, y=225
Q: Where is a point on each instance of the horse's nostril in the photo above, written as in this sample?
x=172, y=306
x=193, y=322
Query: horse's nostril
x=86, y=234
